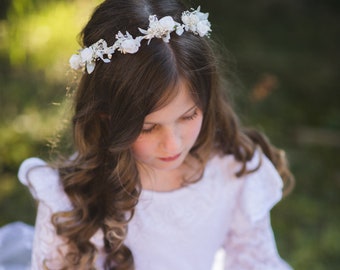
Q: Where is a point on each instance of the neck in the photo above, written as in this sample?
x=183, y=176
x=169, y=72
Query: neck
x=169, y=180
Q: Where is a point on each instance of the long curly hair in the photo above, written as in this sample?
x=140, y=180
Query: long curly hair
x=110, y=104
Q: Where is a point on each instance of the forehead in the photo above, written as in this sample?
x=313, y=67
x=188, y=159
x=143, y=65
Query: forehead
x=175, y=106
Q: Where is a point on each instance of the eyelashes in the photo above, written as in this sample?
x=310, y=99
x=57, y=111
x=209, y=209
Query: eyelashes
x=191, y=117
x=149, y=130
x=184, y=118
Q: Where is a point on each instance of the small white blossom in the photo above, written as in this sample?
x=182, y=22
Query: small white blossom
x=167, y=23
x=190, y=21
x=86, y=55
x=102, y=51
x=129, y=46
x=159, y=28
x=196, y=22
x=203, y=28
x=126, y=43
x=201, y=16
x=88, y=59
x=75, y=61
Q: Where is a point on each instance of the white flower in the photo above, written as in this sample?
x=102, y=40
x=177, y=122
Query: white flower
x=190, y=21
x=203, y=28
x=86, y=54
x=196, y=22
x=88, y=59
x=75, y=61
x=129, y=46
x=167, y=23
x=160, y=28
x=126, y=43
x=101, y=50
x=201, y=16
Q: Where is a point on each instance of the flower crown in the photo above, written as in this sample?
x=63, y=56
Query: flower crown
x=193, y=21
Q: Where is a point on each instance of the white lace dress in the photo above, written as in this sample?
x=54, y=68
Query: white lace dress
x=220, y=222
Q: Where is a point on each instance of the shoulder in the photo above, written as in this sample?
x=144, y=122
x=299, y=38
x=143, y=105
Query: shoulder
x=262, y=166
x=44, y=184
x=259, y=191
x=262, y=190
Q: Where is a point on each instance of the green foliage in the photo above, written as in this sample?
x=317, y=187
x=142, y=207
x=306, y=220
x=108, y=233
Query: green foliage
x=36, y=41
x=288, y=61
x=41, y=34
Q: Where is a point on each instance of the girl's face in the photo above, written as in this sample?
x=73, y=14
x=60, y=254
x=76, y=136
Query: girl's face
x=169, y=133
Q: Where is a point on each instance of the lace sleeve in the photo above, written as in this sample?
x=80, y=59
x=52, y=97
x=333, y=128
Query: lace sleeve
x=253, y=248
x=43, y=182
x=250, y=243
x=48, y=247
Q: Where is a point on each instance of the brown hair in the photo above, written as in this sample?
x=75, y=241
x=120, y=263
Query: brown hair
x=102, y=181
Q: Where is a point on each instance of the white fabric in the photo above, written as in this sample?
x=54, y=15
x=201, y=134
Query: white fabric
x=15, y=246
x=182, y=229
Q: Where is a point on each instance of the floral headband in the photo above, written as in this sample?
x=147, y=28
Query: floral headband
x=193, y=21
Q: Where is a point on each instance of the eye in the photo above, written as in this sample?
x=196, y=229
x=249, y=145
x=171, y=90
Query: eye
x=191, y=116
x=148, y=130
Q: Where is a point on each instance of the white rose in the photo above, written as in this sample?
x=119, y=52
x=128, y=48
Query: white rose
x=191, y=22
x=186, y=19
x=130, y=46
x=202, y=16
x=86, y=55
x=75, y=61
x=167, y=23
x=203, y=27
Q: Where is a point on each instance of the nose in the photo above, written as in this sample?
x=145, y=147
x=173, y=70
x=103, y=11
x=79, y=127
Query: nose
x=171, y=141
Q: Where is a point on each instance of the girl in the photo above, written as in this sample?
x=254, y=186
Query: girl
x=163, y=175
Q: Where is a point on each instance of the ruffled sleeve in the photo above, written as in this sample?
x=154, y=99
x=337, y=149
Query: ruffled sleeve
x=250, y=243
x=43, y=182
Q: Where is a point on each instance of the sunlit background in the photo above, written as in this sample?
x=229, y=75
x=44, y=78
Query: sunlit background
x=286, y=55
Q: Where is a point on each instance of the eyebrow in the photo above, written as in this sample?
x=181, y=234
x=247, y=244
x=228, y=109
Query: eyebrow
x=193, y=107
x=190, y=109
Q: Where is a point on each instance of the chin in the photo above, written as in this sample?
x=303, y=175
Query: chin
x=168, y=166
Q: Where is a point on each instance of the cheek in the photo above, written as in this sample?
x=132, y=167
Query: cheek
x=194, y=129
x=141, y=148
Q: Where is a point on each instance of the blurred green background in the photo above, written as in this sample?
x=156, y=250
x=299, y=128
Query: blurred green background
x=288, y=62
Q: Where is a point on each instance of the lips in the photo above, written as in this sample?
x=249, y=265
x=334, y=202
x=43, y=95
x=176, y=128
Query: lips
x=168, y=159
